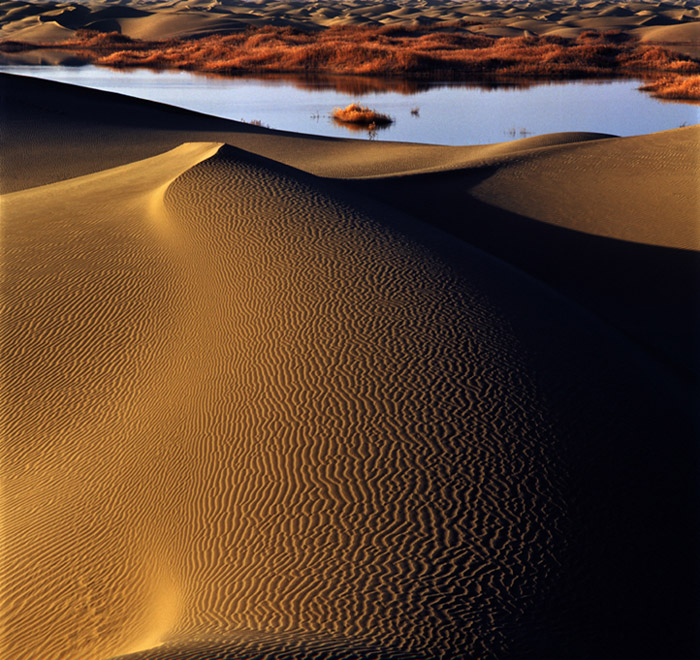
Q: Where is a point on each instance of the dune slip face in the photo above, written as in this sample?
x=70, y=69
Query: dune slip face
x=251, y=413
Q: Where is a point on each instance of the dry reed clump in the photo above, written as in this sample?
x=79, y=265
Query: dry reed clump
x=675, y=88
x=357, y=114
x=447, y=52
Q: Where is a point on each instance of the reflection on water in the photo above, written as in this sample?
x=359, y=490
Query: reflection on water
x=351, y=85
x=363, y=85
x=371, y=130
x=515, y=133
x=423, y=111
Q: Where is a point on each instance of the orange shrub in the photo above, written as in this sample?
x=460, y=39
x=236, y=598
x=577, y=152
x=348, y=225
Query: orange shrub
x=357, y=114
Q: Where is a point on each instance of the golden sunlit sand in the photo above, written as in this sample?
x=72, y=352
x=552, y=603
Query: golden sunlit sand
x=268, y=395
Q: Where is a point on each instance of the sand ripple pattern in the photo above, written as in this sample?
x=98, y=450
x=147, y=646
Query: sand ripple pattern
x=366, y=426
x=239, y=402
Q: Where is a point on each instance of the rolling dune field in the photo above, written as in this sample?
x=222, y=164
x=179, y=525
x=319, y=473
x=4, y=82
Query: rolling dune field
x=21, y=20
x=277, y=396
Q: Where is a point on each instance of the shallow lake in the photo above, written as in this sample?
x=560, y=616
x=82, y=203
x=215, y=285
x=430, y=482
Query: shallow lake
x=454, y=113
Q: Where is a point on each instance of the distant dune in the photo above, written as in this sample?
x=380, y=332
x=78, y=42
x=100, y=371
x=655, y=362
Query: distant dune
x=275, y=396
x=143, y=19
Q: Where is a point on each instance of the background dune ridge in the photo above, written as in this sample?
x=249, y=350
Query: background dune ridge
x=241, y=398
x=671, y=22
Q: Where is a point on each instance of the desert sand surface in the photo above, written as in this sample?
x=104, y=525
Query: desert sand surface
x=269, y=395
x=56, y=21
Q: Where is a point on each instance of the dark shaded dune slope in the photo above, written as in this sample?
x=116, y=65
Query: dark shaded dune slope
x=53, y=131
x=650, y=293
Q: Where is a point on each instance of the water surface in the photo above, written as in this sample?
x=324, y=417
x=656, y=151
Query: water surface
x=453, y=113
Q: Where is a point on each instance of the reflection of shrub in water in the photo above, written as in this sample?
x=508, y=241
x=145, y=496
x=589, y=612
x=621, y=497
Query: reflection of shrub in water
x=356, y=85
x=370, y=130
x=513, y=132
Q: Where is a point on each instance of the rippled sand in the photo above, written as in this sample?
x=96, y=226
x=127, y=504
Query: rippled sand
x=251, y=411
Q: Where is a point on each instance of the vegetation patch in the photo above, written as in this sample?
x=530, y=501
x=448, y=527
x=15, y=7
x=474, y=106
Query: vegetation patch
x=446, y=52
x=357, y=114
x=676, y=88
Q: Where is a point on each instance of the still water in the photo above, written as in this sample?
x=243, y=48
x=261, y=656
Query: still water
x=437, y=113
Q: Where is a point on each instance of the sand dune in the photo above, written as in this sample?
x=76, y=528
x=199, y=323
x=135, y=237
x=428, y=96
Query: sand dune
x=255, y=411
x=43, y=21
x=571, y=181
x=598, y=186
x=139, y=129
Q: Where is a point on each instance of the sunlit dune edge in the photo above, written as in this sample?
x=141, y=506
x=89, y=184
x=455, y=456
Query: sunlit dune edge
x=257, y=404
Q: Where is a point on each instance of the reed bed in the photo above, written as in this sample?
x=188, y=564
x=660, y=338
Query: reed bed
x=447, y=52
x=674, y=87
